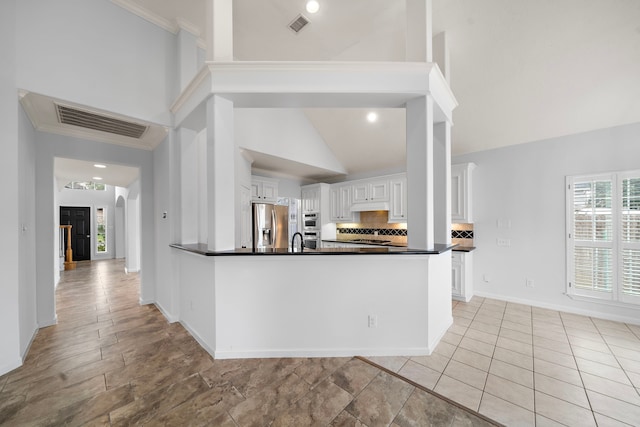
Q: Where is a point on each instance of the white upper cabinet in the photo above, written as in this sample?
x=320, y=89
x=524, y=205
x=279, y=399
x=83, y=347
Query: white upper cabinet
x=461, y=194
x=371, y=191
x=340, y=199
x=398, y=199
x=311, y=198
x=264, y=190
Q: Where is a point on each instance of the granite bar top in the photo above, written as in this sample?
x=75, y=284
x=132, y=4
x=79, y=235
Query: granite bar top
x=201, y=249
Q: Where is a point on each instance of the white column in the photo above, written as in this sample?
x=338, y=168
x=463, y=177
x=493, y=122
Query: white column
x=219, y=30
x=189, y=181
x=188, y=57
x=220, y=174
x=419, y=30
x=441, y=55
x=442, y=182
x=420, y=173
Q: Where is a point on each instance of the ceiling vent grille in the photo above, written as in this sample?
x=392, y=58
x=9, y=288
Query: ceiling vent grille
x=85, y=119
x=298, y=23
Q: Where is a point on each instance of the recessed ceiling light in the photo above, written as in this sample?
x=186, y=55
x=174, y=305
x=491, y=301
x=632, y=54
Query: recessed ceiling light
x=97, y=165
x=313, y=6
x=372, y=117
x=97, y=178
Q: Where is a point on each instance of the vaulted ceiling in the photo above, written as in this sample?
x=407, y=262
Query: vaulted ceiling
x=521, y=70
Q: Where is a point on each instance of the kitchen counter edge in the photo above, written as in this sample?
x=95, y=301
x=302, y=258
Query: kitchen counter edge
x=201, y=249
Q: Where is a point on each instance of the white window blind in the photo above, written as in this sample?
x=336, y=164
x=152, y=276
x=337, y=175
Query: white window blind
x=630, y=237
x=603, y=239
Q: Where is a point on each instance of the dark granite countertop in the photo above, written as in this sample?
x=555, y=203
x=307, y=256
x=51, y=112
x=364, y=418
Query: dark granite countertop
x=201, y=249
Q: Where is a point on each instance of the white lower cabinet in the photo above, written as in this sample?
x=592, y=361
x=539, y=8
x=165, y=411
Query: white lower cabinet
x=462, y=276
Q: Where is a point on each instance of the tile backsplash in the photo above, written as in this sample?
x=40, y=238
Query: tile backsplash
x=374, y=225
x=462, y=234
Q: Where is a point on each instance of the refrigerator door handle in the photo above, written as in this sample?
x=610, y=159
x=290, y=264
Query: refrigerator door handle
x=274, y=226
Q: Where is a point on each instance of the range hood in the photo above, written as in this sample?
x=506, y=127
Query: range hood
x=371, y=206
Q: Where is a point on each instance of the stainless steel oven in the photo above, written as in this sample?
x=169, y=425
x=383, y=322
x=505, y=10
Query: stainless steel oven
x=311, y=220
x=311, y=239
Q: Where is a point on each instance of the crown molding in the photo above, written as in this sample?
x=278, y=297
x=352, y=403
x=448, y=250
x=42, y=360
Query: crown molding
x=188, y=26
x=148, y=15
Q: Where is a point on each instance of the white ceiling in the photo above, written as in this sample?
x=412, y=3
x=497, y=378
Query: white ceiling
x=67, y=170
x=521, y=70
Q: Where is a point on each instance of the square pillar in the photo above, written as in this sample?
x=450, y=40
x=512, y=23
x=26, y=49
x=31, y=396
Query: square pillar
x=420, y=173
x=219, y=30
x=220, y=174
x=419, y=31
x=442, y=181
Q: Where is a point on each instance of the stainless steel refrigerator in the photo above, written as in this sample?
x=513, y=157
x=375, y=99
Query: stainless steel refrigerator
x=270, y=226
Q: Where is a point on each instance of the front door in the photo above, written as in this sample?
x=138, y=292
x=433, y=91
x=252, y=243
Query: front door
x=80, y=220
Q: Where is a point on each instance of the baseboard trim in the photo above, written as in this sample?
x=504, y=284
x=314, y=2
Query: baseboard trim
x=24, y=354
x=48, y=323
x=8, y=367
x=170, y=318
x=198, y=338
x=338, y=352
x=558, y=307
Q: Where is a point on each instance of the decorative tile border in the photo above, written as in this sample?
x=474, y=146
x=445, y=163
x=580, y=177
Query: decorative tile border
x=455, y=234
x=371, y=231
x=462, y=234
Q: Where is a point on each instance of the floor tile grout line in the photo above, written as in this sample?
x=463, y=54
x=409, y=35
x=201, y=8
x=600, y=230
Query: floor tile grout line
x=584, y=388
x=491, y=363
x=432, y=392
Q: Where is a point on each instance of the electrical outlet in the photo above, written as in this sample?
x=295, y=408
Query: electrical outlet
x=191, y=305
x=373, y=321
x=486, y=278
x=530, y=283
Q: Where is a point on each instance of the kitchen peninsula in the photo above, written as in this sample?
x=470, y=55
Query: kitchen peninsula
x=237, y=303
x=328, y=302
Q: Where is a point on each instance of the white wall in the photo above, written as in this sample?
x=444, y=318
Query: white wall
x=93, y=200
x=285, y=133
x=525, y=184
x=9, y=173
x=27, y=214
x=97, y=54
x=166, y=185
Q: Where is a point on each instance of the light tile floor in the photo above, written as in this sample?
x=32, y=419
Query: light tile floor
x=526, y=366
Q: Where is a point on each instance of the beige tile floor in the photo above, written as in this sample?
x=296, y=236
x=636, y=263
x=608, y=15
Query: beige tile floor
x=111, y=362
x=526, y=366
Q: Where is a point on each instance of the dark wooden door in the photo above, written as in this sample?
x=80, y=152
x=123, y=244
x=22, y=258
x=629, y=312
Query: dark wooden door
x=80, y=220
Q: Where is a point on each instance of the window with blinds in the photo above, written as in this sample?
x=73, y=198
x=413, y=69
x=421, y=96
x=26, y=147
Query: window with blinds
x=603, y=239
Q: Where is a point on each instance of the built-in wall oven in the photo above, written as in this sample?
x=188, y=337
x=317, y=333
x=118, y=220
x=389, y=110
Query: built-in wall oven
x=311, y=239
x=311, y=221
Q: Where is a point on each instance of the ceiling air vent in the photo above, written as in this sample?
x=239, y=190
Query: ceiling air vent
x=85, y=119
x=299, y=23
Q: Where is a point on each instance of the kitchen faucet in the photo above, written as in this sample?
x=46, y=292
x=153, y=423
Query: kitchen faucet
x=293, y=242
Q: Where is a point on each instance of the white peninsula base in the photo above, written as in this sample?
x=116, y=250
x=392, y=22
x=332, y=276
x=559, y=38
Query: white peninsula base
x=248, y=306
